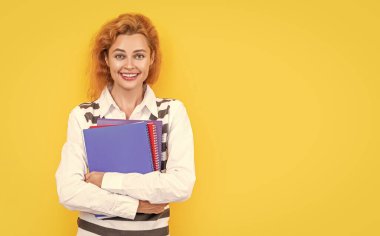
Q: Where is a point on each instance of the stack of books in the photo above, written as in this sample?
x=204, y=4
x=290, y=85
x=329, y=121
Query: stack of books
x=124, y=146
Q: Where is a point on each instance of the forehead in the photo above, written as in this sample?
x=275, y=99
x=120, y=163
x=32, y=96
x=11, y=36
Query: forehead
x=130, y=42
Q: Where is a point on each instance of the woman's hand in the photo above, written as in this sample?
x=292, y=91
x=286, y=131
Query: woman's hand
x=149, y=208
x=95, y=178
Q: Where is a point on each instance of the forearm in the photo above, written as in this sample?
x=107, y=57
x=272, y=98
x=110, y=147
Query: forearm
x=154, y=187
x=75, y=194
x=81, y=196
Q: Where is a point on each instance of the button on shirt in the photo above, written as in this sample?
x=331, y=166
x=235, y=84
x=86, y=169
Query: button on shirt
x=120, y=193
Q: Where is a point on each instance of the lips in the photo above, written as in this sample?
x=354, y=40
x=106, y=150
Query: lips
x=129, y=76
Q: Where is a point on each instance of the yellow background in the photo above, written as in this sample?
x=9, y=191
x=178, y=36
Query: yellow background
x=283, y=97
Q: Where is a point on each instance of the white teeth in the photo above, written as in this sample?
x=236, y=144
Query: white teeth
x=129, y=75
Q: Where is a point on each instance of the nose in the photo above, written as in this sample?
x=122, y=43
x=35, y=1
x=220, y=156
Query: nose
x=129, y=65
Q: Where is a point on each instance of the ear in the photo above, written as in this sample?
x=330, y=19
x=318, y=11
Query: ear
x=106, y=59
x=152, y=58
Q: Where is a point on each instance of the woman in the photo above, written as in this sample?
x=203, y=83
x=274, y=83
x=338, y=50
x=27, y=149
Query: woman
x=125, y=59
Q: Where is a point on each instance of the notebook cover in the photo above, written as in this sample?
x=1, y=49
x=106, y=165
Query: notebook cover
x=153, y=142
x=121, y=148
x=158, y=124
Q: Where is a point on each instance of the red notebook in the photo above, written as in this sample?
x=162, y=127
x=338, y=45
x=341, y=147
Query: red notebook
x=154, y=145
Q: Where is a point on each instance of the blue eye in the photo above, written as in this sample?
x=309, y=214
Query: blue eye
x=119, y=56
x=140, y=56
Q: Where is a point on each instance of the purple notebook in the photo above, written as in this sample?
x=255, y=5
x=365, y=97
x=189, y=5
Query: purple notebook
x=157, y=123
x=121, y=148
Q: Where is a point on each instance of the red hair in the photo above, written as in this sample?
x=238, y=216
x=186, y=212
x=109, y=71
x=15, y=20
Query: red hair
x=130, y=23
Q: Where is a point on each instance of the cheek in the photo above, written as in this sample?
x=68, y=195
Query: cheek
x=145, y=67
x=115, y=66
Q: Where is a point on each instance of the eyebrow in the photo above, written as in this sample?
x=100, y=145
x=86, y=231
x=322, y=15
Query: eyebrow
x=121, y=50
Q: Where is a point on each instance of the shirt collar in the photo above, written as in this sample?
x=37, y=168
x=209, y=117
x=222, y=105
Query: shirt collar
x=106, y=101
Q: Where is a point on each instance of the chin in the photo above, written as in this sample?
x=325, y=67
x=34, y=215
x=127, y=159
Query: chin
x=130, y=85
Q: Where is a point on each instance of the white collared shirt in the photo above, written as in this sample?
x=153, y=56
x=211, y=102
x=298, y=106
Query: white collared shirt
x=119, y=193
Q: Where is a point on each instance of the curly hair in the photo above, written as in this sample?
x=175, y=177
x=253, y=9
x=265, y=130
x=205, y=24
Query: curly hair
x=130, y=23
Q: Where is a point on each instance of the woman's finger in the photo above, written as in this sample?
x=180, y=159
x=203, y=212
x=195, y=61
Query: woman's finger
x=87, y=176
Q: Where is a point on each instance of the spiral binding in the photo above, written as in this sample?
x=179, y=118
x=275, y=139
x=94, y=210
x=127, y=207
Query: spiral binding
x=155, y=148
x=153, y=144
x=150, y=143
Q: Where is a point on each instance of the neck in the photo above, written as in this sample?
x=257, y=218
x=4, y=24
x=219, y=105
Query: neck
x=127, y=100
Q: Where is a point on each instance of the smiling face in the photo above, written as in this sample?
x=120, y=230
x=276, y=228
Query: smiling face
x=129, y=60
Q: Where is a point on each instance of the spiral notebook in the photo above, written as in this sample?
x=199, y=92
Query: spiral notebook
x=155, y=134
x=122, y=148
